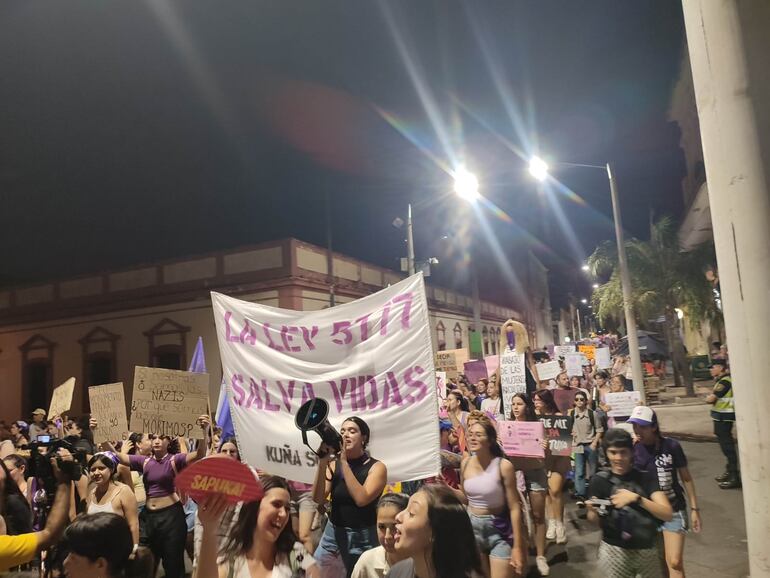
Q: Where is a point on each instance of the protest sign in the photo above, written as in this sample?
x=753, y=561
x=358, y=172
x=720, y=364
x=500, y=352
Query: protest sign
x=169, y=402
x=61, y=400
x=222, y=476
x=440, y=388
x=108, y=408
x=513, y=377
x=548, y=370
x=522, y=438
x=493, y=362
x=588, y=350
x=603, y=359
x=371, y=358
x=623, y=403
x=574, y=364
x=558, y=430
x=563, y=350
x=475, y=371
x=452, y=362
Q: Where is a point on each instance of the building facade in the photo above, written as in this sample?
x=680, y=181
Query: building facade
x=96, y=328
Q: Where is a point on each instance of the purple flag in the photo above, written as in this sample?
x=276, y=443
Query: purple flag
x=198, y=363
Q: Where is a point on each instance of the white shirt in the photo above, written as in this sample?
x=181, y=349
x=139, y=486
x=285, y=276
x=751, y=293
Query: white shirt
x=403, y=569
x=371, y=564
x=282, y=567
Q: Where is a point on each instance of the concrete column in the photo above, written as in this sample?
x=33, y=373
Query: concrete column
x=729, y=46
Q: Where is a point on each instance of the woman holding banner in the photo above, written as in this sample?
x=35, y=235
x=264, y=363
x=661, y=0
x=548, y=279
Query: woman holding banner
x=557, y=467
x=353, y=481
x=488, y=481
x=535, y=480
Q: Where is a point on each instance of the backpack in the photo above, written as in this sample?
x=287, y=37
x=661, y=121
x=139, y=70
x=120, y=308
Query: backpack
x=640, y=525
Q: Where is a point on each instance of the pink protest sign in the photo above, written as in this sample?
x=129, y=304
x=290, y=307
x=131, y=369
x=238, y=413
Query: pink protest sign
x=522, y=439
x=475, y=371
x=492, y=362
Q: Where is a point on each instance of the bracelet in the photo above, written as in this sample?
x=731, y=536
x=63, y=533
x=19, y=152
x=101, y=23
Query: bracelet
x=695, y=509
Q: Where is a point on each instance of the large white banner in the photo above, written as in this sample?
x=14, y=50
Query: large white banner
x=371, y=358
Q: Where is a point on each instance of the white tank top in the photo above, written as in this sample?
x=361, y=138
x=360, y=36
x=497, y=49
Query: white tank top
x=94, y=508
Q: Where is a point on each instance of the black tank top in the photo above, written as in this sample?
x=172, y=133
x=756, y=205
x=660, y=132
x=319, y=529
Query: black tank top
x=345, y=512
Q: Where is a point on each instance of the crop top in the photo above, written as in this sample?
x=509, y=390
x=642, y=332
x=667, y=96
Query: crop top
x=158, y=474
x=486, y=490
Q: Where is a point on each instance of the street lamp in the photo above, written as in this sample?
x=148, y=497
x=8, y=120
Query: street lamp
x=586, y=268
x=584, y=301
x=536, y=169
x=595, y=285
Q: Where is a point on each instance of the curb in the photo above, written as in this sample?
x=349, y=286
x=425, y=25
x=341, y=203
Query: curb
x=691, y=437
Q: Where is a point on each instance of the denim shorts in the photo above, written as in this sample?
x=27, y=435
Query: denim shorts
x=536, y=480
x=347, y=543
x=678, y=523
x=488, y=539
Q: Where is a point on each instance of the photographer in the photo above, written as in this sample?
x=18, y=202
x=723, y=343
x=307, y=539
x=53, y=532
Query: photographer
x=16, y=550
x=630, y=506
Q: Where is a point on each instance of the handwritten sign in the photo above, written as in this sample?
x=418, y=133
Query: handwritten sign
x=61, y=401
x=220, y=476
x=371, y=357
x=603, y=359
x=558, y=430
x=574, y=364
x=548, y=370
x=451, y=362
x=475, y=371
x=623, y=403
x=522, y=438
x=588, y=350
x=563, y=350
x=169, y=402
x=108, y=408
x=513, y=377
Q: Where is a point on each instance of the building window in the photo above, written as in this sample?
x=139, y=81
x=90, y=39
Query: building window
x=37, y=373
x=458, y=331
x=440, y=336
x=167, y=343
x=485, y=337
x=99, y=360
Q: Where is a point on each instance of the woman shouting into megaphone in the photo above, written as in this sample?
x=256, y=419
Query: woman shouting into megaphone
x=353, y=481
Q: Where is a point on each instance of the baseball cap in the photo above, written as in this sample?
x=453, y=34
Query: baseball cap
x=643, y=415
x=718, y=361
x=39, y=411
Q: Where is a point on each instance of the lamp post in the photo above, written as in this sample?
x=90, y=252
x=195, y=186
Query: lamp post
x=539, y=170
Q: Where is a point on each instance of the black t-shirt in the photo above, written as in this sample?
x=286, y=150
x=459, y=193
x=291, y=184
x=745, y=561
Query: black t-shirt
x=632, y=527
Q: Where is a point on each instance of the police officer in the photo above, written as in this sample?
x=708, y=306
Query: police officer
x=723, y=414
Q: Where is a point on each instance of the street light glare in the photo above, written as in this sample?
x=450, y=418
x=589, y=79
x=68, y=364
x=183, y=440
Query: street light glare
x=595, y=285
x=584, y=301
x=586, y=268
x=538, y=168
x=466, y=185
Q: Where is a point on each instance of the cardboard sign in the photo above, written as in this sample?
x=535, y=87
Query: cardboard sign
x=623, y=403
x=522, y=439
x=548, y=370
x=61, y=400
x=169, y=402
x=475, y=371
x=440, y=389
x=513, y=377
x=108, y=408
x=563, y=350
x=574, y=364
x=493, y=362
x=219, y=475
x=558, y=430
x=588, y=350
x=451, y=362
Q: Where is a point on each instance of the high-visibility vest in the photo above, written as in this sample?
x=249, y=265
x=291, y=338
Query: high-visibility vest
x=726, y=403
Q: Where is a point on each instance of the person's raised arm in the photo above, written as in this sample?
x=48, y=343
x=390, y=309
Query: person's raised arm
x=210, y=512
x=371, y=489
x=205, y=422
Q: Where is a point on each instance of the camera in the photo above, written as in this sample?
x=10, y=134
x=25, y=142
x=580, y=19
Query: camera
x=40, y=454
x=602, y=506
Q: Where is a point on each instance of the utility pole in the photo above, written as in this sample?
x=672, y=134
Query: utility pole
x=409, y=241
x=329, y=253
x=729, y=45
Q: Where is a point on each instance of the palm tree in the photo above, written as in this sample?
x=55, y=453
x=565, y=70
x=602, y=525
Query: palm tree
x=663, y=278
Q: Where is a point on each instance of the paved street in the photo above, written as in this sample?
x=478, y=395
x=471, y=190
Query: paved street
x=720, y=550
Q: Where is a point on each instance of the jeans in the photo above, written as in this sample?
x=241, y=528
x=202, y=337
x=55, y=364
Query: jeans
x=349, y=543
x=583, y=461
x=164, y=532
x=724, y=432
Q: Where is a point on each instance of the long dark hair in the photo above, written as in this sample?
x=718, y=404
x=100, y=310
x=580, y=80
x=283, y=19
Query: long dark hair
x=546, y=397
x=454, y=553
x=529, y=407
x=464, y=406
x=491, y=432
x=135, y=438
x=242, y=535
x=105, y=535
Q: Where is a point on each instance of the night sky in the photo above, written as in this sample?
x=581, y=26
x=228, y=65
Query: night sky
x=133, y=131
